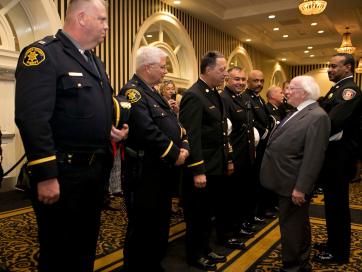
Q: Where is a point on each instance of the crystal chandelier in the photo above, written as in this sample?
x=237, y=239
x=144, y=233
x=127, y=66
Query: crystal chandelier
x=346, y=46
x=359, y=68
x=312, y=7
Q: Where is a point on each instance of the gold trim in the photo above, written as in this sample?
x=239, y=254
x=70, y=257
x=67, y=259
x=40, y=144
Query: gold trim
x=118, y=115
x=186, y=141
x=194, y=164
x=51, y=158
x=167, y=150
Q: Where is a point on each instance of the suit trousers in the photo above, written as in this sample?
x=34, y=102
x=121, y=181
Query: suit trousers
x=68, y=230
x=200, y=205
x=338, y=216
x=148, y=203
x=295, y=233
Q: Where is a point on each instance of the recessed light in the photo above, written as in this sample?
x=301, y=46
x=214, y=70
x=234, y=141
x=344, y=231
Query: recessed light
x=248, y=40
x=276, y=29
x=310, y=47
x=320, y=31
x=313, y=24
x=232, y=63
x=306, y=51
x=284, y=59
x=149, y=36
x=285, y=36
x=271, y=16
x=177, y=2
x=311, y=56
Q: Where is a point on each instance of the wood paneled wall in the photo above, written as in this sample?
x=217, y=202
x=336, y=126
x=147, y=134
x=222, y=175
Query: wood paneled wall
x=125, y=17
x=303, y=69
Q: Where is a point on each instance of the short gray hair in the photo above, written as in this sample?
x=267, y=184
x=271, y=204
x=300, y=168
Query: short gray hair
x=309, y=85
x=148, y=54
x=75, y=5
x=271, y=90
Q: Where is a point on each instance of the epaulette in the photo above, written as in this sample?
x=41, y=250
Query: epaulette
x=46, y=40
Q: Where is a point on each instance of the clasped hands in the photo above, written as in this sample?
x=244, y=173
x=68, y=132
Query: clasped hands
x=184, y=153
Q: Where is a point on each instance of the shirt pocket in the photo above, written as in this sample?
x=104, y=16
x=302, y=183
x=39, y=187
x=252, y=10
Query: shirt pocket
x=79, y=97
x=162, y=120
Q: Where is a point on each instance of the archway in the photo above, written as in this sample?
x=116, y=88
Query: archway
x=239, y=57
x=278, y=76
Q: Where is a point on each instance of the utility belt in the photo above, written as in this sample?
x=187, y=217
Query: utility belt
x=77, y=158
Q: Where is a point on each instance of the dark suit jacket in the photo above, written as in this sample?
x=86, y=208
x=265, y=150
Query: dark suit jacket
x=295, y=153
x=237, y=112
x=274, y=111
x=345, y=114
x=206, y=126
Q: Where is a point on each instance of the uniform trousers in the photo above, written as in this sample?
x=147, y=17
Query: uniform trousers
x=200, y=205
x=148, y=203
x=68, y=230
x=338, y=217
x=295, y=233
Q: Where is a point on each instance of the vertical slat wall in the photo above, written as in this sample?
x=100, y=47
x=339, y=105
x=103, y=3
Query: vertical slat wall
x=303, y=69
x=126, y=17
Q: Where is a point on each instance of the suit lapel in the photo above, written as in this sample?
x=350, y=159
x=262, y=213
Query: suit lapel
x=208, y=93
x=237, y=99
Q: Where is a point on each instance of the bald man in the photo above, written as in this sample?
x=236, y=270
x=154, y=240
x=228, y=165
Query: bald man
x=63, y=109
x=261, y=113
x=275, y=98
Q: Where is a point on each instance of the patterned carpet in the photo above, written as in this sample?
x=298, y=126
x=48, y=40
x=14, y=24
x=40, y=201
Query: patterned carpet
x=19, y=245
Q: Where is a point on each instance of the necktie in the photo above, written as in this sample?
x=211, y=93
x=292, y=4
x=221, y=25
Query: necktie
x=292, y=111
x=91, y=62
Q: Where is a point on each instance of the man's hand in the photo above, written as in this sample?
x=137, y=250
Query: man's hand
x=118, y=135
x=185, y=152
x=181, y=159
x=298, y=198
x=48, y=191
x=230, y=168
x=200, y=181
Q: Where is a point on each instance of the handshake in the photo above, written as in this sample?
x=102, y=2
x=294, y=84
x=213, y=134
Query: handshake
x=184, y=153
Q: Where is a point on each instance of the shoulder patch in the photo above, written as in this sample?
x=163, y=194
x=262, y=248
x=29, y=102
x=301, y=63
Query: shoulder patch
x=132, y=95
x=348, y=94
x=33, y=56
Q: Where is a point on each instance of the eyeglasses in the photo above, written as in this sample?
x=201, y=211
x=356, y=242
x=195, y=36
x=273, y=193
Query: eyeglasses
x=167, y=81
x=292, y=88
x=163, y=67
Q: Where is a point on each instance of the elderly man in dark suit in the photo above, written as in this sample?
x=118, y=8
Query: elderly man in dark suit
x=275, y=98
x=343, y=105
x=291, y=165
x=204, y=117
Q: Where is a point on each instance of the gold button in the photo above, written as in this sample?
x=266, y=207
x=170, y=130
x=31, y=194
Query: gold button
x=224, y=144
x=70, y=155
x=222, y=122
x=162, y=114
x=249, y=141
x=248, y=131
x=155, y=106
x=69, y=161
x=79, y=85
x=29, y=172
x=224, y=133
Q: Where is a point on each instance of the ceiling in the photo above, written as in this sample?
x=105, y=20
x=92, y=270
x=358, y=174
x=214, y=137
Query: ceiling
x=249, y=19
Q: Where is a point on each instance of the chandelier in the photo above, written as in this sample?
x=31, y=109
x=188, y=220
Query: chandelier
x=312, y=7
x=346, y=46
x=359, y=68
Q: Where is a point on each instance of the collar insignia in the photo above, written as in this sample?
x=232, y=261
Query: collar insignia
x=330, y=96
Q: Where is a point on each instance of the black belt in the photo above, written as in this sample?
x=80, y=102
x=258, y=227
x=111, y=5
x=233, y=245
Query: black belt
x=76, y=158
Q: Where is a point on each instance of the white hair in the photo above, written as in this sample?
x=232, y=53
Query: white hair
x=148, y=54
x=309, y=85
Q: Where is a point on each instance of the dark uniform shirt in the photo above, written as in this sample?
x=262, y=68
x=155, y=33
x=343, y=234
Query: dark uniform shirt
x=61, y=104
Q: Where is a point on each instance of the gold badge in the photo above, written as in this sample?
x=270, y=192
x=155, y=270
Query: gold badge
x=233, y=96
x=337, y=87
x=207, y=90
x=33, y=56
x=330, y=96
x=133, y=95
x=125, y=105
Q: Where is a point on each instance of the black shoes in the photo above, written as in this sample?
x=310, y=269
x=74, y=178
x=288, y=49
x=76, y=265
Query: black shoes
x=257, y=220
x=328, y=258
x=176, y=213
x=204, y=264
x=269, y=215
x=233, y=243
x=355, y=181
x=319, y=191
x=321, y=246
x=244, y=234
x=248, y=227
x=216, y=258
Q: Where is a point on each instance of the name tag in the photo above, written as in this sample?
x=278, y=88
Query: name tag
x=256, y=107
x=239, y=110
x=75, y=74
x=213, y=107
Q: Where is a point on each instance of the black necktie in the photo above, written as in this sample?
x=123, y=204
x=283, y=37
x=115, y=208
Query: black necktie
x=91, y=62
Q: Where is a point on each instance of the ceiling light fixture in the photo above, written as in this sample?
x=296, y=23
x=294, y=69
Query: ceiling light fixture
x=311, y=56
x=248, y=40
x=285, y=36
x=276, y=29
x=346, y=46
x=284, y=59
x=320, y=31
x=312, y=7
x=306, y=51
x=313, y=24
x=359, y=68
x=149, y=36
x=232, y=63
x=177, y=2
x=271, y=16
x=310, y=47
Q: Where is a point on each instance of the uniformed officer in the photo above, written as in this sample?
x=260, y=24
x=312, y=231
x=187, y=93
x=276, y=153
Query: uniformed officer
x=261, y=113
x=242, y=187
x=156, y=144
x=343, y=106
x=63, y=109
x=204, y=117
x=285, y=107
x=275, y=98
